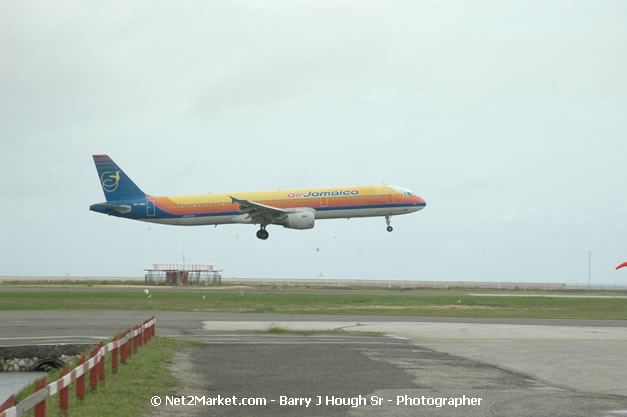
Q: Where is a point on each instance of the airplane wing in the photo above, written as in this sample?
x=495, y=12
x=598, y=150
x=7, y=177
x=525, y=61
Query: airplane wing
x=257, y=212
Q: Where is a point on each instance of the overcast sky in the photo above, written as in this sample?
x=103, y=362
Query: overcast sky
x=508, y=117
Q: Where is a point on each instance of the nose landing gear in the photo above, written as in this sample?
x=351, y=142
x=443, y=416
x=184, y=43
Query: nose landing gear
x=262, y=233
x=388, y=221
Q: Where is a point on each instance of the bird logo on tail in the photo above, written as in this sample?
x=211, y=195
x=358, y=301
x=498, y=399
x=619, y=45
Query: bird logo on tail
x=110, y=181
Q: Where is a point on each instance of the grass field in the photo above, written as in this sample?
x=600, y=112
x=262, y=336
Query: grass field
x=126, y=393
x=94, y=283
x=304, y=303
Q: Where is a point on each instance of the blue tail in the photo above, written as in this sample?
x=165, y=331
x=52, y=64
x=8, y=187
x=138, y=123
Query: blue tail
x=115, y=183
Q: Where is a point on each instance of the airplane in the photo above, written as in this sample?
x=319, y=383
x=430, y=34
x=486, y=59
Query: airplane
x=293, y=209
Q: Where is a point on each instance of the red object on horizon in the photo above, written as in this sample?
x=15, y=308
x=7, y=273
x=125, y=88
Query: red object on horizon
x=621, y=265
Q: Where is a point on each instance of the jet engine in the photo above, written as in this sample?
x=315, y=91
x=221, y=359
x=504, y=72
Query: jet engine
x=299, y=220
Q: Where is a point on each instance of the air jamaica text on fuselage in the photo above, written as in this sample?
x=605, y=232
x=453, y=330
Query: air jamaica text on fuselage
x=322, y=193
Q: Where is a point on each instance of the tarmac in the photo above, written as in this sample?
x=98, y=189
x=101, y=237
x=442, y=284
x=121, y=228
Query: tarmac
x=518, y=367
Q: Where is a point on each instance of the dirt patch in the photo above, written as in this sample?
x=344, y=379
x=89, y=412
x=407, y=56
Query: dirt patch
x=184, y=370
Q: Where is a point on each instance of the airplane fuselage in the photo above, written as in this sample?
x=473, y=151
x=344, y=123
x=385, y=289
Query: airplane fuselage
x=210, y=209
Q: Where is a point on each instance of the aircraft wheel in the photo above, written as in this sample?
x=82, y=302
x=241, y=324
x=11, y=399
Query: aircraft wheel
x=390, y=228
x=262, y=234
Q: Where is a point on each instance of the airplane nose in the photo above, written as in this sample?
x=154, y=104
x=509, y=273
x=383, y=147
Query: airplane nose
x=420, y=203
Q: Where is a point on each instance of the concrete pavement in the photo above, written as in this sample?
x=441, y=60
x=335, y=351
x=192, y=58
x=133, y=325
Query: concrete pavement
x=520, y=366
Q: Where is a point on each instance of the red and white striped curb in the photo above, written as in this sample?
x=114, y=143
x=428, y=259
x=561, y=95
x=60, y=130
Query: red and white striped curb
x=63, y=382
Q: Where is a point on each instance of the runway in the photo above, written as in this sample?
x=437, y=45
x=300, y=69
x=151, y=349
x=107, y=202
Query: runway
x=519, y=366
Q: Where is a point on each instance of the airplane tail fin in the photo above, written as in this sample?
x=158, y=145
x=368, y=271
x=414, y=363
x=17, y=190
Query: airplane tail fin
x=115, y=183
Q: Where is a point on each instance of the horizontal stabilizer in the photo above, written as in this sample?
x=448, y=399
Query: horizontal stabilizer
x=121, y=208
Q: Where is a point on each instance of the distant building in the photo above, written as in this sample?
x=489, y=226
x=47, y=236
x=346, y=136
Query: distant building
x=182, y=274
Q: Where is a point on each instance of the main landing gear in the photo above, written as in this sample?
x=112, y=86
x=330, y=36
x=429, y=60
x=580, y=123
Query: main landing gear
x=388, y=221
x=262, y=233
